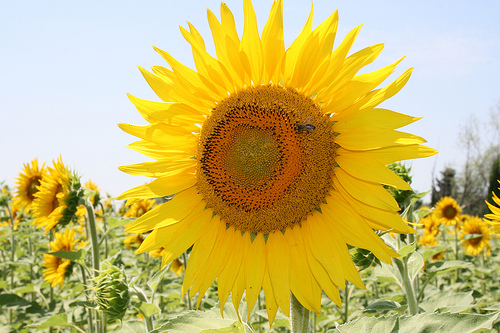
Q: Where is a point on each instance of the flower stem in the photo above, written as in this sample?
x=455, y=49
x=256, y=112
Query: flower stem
x=95, y=247
x=90, y=321
x=93, y=237
x=299, y=316
x=410, y=295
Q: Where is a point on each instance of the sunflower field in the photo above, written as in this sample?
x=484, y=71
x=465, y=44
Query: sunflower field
x=276, y=201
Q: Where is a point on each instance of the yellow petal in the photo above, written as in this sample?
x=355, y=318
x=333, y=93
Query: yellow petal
x=374, y=117
x=302, y=283
x=229, y=274
x=271, y=305
x=200, y=254
x=278, y=265
x=373, y=195
x=175, y=182
x=189, y=231
x=250, y=45
x=173, y=211
x=368, y=169
x=293, y=51
x=157, y=169
x=254, y=268
x=369, y=137
x=389, y=155
x=273, y=44
x=162, y=134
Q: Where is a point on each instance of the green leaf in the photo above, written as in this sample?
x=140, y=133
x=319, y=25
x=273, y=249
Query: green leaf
x=235, y=327
x=147, y=309
x=441, y=267
x=429, y=252
x=59, y=320
x=495, y=307
x=426, y=322
x=71, y=255
x=387, y=273
x=472, y=236
x=204, y=321
x=13, y=300
x=133, y=326
x=457, y=302
x=415, y=264
x=115, y=223
x=382, y=306
x=406, y=250
x=156, y=279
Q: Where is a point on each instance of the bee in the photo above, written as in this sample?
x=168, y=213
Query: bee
x=305, y=126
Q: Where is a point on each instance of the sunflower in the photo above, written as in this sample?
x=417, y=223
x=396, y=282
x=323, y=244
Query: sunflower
x=50, y=200
x=494, y=217
x=447, y=210
x=428, y=238
x=56, y=269
x=476, y=236
x=276, y=158
x=27, y=184
x=94, y=199
x=133, y=241
x=140, y=207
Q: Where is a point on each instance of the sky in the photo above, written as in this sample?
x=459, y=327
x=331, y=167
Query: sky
x=66, y=67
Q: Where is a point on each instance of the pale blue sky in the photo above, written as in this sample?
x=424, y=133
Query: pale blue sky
x=66, y=67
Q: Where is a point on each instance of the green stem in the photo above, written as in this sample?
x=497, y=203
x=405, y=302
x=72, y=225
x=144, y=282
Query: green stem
x=105, y=229
x=143, y=298
x=184, y=259
x=95, y=248
x=346, y=302
x=410, y=295
x=299, y=316
x=90, y=320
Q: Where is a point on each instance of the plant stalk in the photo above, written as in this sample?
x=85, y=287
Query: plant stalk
x=299, y=316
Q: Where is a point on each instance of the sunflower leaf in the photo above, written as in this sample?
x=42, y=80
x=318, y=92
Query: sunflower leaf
x=71, y=255
x=426, y=322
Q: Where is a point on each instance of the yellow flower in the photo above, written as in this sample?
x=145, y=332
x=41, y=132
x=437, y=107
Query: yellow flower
x=447, y=210
x=428, y=238
x=494, y=217
x=133, y=241
x=96, y=197
x=50, y=200
x=476, y=236
x=56, y=269
x=27, y=184
x=285, y=168
x=140, y=207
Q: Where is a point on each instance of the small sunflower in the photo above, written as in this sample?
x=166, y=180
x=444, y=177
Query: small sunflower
x=133, y=241
x=57, y=269
x=27, y=184
x=476, y=236
x=94, y=199
x=140, y=207
x=50, y=200
x=447, y=210
x=428, y=238
x=277, y=160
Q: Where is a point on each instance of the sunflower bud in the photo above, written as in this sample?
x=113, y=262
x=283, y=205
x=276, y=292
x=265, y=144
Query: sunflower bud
x=111, y=292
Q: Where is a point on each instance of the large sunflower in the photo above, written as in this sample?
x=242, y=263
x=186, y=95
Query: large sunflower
x=50, y=200
x=56, y=269
x=476, y=236
x=27, y=184
x=276, y=159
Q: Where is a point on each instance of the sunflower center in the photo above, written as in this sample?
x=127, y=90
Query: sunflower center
x=35, y=181
x=450, y=212
x=253, y=155
x=265, y=158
